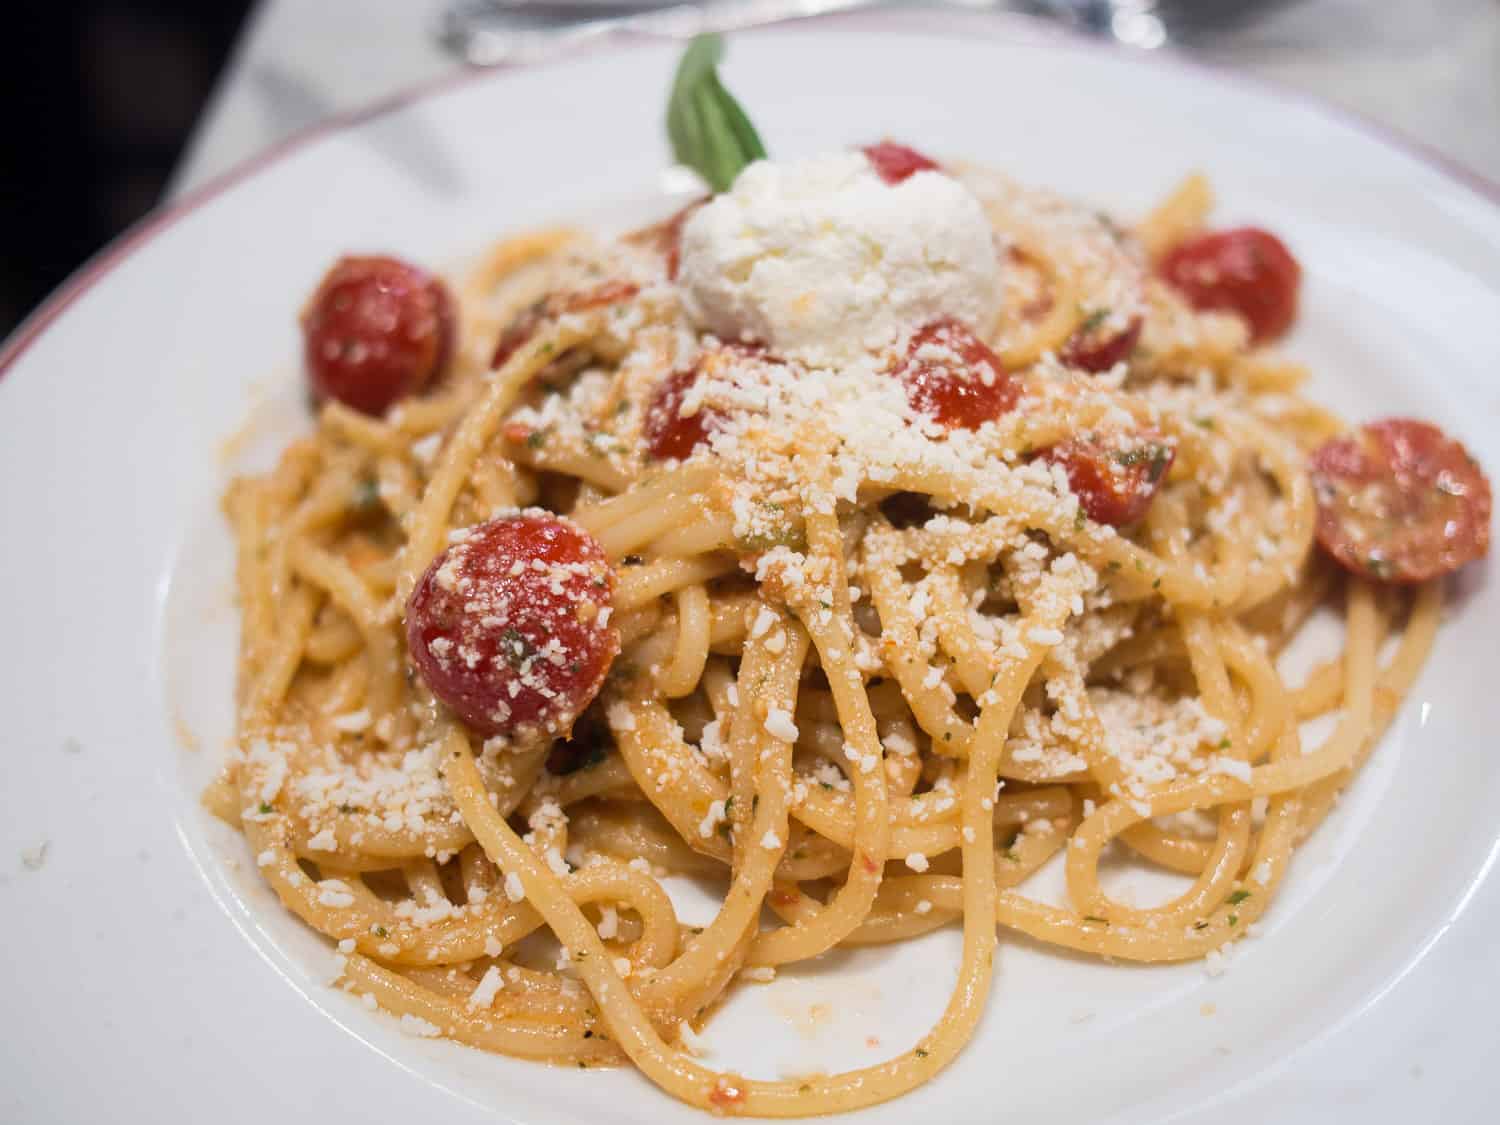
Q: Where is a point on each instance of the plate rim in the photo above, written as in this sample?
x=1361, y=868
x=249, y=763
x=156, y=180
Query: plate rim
x=1011, y=28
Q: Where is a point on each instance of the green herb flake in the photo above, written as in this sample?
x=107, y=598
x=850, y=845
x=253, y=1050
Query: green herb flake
x=921, y=1052
x=536, y=439
x=266, y=809
x=1092, y=321
x=1234, y=919
x=516, y=648
x=1238, y=897
x=1225, y=743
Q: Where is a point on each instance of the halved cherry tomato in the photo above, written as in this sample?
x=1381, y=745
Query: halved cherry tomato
x=552, y=306
x=665, y=237
x=953, y=377
x=1246, y=270
x=510, y=625
x=667, y=430
x=1097, y=345
x=896, y=162
x=1400, y=501
x=1114, y=476
x=375, y=331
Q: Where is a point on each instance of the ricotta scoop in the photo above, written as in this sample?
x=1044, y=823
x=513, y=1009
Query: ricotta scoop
x=825, y=262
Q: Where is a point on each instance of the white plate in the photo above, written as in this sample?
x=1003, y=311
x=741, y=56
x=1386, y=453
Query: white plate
x=147, y=974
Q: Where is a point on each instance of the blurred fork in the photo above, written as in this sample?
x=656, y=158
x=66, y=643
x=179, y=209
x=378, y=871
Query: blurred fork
x=494, y=32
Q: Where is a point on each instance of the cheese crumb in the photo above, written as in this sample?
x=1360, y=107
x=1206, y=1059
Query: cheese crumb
x=352, y=723
x=779, y=724
x=513, y=888
x=484, y=992
x=416, y=1025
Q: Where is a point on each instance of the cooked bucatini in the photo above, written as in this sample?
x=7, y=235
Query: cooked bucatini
x=806, y=544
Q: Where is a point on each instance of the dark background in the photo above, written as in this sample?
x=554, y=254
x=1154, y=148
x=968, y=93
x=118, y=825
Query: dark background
x=99, y=98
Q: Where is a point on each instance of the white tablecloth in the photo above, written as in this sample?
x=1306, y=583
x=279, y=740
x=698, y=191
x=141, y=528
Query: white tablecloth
x=1429, y=69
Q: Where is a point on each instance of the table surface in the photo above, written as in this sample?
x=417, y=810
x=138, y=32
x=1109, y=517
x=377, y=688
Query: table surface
x=1429, y=69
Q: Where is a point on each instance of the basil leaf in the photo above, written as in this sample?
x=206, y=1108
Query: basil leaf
x=708, y=130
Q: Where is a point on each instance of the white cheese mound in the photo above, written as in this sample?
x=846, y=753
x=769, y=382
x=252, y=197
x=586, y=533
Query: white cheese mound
x=824, y=262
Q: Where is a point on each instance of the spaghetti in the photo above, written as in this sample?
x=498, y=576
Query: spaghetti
x=879, y=658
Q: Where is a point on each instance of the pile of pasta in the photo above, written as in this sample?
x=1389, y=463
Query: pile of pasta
x=870, y=682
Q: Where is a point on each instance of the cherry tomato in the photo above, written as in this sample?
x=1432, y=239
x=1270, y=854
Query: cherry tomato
x=510, y=625
x=1400, y=501
x=665, y=237
x=896, y=162
x=1247, y=270
x=954, y=378
x=1114, y=476
x=669, y=432
x=1097, y=346
x=376, y=330
x=552, y=306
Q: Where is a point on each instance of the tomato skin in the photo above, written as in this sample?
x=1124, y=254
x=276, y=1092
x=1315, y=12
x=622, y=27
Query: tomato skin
x=953, y=377
x=1400, y=502
x=667, y=431
x=665, y=237
x=525, y=324
x=509, y=625
x=1115, y=477
x=895, y=162
x=1245, y=270
x=1097, y=349
x=376, y=330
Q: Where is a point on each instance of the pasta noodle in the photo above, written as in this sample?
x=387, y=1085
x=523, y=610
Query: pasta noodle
x=869, y=684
